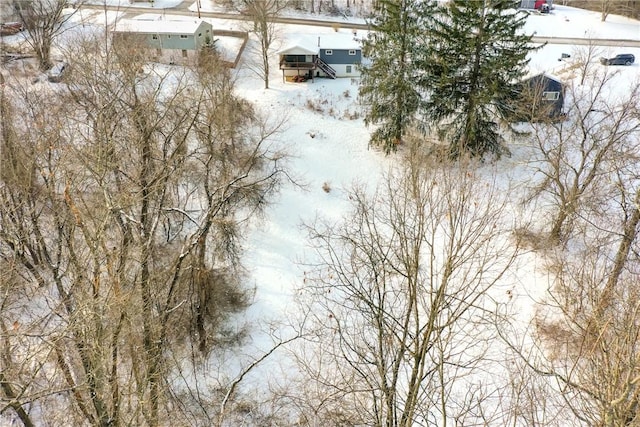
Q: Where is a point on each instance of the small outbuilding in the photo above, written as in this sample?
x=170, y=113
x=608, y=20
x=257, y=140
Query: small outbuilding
x=539, y=97
x=332, y=56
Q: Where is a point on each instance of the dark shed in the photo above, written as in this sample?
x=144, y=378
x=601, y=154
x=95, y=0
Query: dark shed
x=540, y=97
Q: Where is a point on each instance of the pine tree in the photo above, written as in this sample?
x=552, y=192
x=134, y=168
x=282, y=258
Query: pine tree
x=477, y=51
x=389, y=79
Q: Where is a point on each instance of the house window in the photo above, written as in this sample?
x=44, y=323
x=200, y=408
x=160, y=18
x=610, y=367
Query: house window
x=207, y=31
x=328, y=52
x=199, y=34
x=550, y=96
x=183, y=36
x=352, y=52
x=155, y=37
x=295, y=59
x=168, y=36
x=348, y=69
x=184, y=53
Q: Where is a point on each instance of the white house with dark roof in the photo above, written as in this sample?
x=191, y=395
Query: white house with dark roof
x=328, y=55
x=170, y=39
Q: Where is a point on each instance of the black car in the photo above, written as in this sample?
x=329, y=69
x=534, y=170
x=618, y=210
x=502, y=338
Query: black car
x=622, y=59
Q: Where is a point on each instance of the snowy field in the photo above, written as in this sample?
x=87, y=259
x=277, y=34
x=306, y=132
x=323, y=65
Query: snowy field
x=330, y=148
x=565, y=21
x=339, y=155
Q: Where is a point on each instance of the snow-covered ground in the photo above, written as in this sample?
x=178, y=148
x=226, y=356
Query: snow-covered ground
x=338, y=154
x=570, y=22
x=566, y=21
x=329, y=148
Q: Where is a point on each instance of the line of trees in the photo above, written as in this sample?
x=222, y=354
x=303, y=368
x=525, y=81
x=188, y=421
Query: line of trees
x=445, y=69
x=585, y=362
x=630, y=8
x=124, y=197
x=338, y=7
x=414, y=306
x=401, y=299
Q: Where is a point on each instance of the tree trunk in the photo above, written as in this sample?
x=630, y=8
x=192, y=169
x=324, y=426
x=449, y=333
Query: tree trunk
x=629, y=235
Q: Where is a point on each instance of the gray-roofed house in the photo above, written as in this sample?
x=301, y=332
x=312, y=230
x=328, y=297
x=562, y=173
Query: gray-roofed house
x=329, y=55
x=171, y=40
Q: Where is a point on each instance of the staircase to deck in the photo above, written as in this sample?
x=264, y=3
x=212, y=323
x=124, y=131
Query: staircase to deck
x=325, y=67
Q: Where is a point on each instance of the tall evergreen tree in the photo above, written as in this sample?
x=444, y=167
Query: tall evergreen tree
x=388, y=80
x=477, y=51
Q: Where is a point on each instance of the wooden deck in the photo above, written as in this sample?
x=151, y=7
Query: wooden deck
x=297, y=66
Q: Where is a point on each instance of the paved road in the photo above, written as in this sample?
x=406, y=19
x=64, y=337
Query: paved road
x=183, y=10
x=595, y=42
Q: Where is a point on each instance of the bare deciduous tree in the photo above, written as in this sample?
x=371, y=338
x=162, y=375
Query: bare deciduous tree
x=401, y=297
x=124, y=198
x=583, y=346
x=263, y=12
x=583, y=58
x=44, y=21
x=587, y=357
x=578, y=154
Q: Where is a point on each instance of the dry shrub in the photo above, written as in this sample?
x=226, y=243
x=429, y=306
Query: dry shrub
x=209, y=297
x=529, y=239
x=351, y=115
x=326, y=187
x=313, y=106
x=557, y=337
x=218, y=295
